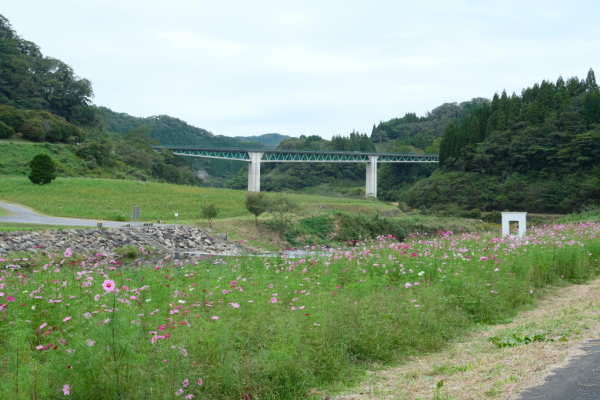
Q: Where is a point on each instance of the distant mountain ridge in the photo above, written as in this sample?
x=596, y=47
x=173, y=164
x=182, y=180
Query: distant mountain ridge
x=269, y=139
x=171, y=131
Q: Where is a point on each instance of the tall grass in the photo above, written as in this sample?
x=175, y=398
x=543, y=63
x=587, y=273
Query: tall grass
x=112, y=199
x=285, y=325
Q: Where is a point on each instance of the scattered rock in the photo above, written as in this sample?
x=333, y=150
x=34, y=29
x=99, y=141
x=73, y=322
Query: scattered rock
x=162, y=239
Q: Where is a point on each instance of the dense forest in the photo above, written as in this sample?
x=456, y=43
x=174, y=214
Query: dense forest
x=30, y=81
x=538, y=151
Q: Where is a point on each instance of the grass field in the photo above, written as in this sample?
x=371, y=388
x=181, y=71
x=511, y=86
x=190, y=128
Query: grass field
x=267, y=328
x=4, y=211
x=112, y=199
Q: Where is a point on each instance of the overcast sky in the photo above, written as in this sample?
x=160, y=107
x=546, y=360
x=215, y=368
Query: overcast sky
x=241, y=68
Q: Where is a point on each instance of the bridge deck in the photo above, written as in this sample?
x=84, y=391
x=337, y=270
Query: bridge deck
x=267, y=155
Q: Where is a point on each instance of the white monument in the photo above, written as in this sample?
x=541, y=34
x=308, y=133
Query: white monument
x=519, y=217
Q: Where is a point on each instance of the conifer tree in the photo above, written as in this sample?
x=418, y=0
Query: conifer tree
x=43, y=170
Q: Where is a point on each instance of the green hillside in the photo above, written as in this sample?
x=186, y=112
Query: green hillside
x=537, y=152
x=271, y=140
x=28, y=80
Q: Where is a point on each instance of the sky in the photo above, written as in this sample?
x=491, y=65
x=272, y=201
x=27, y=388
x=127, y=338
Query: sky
x=244, y=68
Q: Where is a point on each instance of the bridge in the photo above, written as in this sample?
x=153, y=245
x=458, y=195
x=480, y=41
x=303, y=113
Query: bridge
x=255, y=156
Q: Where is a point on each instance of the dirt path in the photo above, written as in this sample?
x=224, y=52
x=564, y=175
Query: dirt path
x=475, y=369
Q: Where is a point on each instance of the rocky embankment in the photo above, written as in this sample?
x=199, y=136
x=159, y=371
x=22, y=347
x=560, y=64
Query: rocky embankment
x=161, y=239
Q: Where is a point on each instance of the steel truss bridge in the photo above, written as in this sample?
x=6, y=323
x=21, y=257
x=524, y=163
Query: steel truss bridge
x=255, y=156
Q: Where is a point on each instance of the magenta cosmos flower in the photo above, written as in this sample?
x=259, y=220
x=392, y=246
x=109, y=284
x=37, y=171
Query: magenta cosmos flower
x=200, y=381
x=108, y=285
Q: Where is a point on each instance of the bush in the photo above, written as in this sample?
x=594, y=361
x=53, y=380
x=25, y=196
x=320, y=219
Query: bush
x=283, y=209
x=403, y=207
x=494, y=217
x=474, y=213
x=352, y=227
x=5, y=131
x=43, y=170
x=11, y=117
x=32, y=129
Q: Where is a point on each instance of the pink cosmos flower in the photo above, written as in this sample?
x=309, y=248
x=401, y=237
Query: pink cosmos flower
x=224, y=291
x=66, y=319
x=274, y=300
x=108, y=285
x=235, y=305
x=10, y=299
x=39, y=347
x=189, y=396
x=185, y=383
x=270, y=286
x=200, y=381
x=214, y=317
x=66, y=390
x=178, y=392
x=407, y=285
x=68, y=253
x=126, y=288
x=90, y=342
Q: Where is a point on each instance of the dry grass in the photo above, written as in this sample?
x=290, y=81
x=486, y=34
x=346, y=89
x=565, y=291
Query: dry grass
x=474, y=369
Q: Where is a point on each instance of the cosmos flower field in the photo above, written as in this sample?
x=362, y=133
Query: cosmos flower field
x=265, y=327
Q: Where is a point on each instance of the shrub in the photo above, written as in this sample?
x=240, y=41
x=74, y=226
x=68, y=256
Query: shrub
x=403, y=206
x=355, y=226
x=32, y=129
x=11, y=117
x=493, y=217
x=5, y=131
x=283, y=209
x=43, y=170
x=474, y=213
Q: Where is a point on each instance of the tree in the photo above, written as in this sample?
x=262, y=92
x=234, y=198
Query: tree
x=5, y=131
x=209, y=211
x=43, y=170
x=283, y=209
x=256, y=203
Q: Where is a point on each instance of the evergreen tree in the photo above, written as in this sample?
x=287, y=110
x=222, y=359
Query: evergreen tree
x=590, y=81
x=43, y=170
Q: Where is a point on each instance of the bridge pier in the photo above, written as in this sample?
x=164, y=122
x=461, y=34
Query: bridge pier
x=371, y=190
x=254, y=171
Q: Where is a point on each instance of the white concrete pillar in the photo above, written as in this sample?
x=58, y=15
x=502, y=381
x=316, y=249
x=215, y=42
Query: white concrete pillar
x=519, y=217
x=254, y=171
x=371, y=190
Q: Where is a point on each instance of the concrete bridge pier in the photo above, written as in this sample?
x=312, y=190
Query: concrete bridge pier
x=254, y=171
x=371, y=190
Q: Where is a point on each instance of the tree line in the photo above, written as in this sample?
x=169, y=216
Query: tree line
x=537, y=151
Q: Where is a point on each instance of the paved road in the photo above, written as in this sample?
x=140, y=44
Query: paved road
x=25, y=216
x=578, y=380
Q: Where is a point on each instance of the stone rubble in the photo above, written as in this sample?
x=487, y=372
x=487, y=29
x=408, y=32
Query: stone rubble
x=161, y=239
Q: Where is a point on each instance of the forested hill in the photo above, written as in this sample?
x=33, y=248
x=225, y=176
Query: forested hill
x=538, y=151
x=269, y=139
x=420, y=132
x=30, y=81
x=171, y=131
